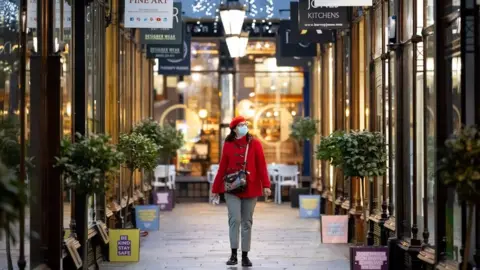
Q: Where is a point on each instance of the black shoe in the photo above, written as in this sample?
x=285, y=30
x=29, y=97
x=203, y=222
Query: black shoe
x=233, y=260
x=246, y=262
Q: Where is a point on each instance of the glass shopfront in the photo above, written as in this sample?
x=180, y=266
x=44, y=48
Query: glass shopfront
x=202, y=103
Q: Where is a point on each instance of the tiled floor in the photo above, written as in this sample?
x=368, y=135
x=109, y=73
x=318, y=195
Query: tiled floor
x=195, y=236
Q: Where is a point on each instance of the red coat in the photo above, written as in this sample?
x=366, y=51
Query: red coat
x=232, y=161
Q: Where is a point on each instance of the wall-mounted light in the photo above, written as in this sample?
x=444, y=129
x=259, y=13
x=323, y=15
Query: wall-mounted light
x=347, y=112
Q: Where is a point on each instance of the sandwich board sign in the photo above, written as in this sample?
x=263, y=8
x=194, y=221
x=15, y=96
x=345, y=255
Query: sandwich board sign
x=309, y=206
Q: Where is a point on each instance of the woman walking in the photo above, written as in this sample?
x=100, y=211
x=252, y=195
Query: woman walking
x=243, y=177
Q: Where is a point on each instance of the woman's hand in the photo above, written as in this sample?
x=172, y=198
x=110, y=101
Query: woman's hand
x=267, y=192
x=215, y=199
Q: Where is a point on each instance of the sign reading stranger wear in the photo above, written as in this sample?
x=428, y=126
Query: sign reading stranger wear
x=148, y=14
x=314, y=16
x=168, y=36
x=177, y=66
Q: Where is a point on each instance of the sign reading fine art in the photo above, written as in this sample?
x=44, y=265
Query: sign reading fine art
x=369, y=258
x=312, y=16
x=124, y=245
x=309, y=206
x=148, y=14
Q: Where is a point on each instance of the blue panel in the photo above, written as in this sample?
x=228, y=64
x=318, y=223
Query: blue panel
x=307, y=148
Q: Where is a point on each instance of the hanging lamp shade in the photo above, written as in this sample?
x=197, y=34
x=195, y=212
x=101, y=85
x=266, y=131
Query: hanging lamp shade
x=237, y=45
x=232, y=15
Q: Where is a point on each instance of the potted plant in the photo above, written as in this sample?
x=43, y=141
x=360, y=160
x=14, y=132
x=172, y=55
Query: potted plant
x=459, y=167
x=304, y=129
x=170, y=140
x=12, y=197
x=150, y=129
x=139, y=152
x=85, y=165
x=10, y=155
x=364, y=154
x=329, y=150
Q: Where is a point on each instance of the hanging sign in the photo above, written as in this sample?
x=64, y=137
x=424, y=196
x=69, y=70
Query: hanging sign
x=124, y=245
x=309, y=206
x=148, y=14
x=312, y=16
x=369, y=258
x=287, y=49
x=165, y=51
x=342, y=3
x=172, y=35
x=298, y=35
x=334, y=229
x=147, y=217
x=177, y=66
x=32, y=14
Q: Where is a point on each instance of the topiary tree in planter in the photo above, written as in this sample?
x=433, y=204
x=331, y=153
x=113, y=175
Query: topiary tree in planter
x=170, y=140
x=364, y=155
x=150, y=129
x=304, y=129
x=85, y=165
x=140, y=152
x=329, y=150
x=459, y=167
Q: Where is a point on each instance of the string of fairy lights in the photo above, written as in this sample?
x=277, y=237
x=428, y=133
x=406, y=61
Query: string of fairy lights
x=211, y=8
x=8, y=14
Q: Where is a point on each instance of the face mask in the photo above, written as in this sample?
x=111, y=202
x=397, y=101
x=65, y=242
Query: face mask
x=242, y=131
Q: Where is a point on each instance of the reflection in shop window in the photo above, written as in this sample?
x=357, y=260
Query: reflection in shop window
x=192, y=104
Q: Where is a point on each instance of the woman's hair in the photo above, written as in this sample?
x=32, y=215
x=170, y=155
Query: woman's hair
x=233, y=136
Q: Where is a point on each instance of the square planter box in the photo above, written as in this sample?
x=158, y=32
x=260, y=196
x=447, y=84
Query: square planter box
x=295, y=193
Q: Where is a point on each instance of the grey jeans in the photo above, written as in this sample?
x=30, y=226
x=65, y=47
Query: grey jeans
x=240, y=212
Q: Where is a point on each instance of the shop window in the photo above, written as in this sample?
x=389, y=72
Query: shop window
x=407, y=19
x=192, y=104
x=430, y=19
x=392, y=143
x=270, y=97
x=430, y=125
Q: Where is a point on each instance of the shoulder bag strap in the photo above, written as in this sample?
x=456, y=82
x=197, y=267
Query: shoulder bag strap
x=246, y=154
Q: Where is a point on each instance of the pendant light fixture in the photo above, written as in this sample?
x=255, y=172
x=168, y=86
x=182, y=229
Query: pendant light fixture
x=237, y=45
x=232, y=14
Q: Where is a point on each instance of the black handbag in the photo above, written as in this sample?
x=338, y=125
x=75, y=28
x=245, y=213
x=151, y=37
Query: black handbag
x=237, y=182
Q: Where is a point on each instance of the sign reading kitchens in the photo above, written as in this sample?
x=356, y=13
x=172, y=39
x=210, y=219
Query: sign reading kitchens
x=148, y=14
x=343, y=3
x=298, y=35
x=313, y=16
x=172, y=35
